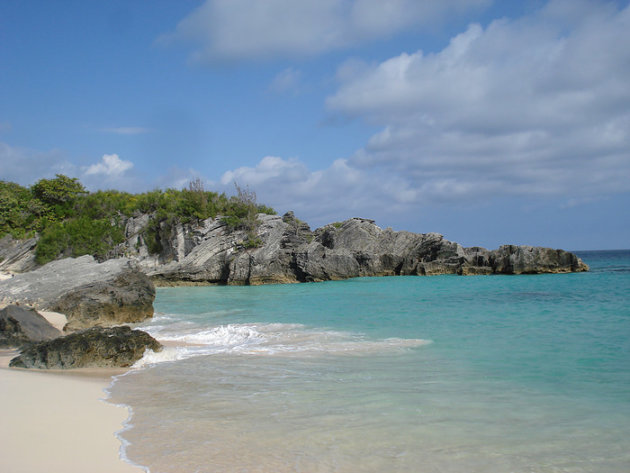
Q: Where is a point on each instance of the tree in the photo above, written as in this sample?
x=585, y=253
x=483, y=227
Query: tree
x=60, y=190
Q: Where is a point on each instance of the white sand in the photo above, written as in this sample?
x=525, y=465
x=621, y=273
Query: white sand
x=55, y=319
x=54, y=422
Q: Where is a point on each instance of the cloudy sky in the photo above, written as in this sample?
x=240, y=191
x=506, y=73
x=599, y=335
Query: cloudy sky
x=490, y=122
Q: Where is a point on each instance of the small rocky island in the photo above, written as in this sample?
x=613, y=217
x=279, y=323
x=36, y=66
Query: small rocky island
x=129, y=243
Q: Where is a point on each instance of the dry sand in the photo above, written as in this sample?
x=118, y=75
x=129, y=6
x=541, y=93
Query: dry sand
x=57, y=422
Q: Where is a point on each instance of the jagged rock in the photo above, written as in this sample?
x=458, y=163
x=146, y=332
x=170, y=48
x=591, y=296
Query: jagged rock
x=511, y=259
x=207, y=252
x=19, y=325
x=87, y=292
x=97, y=347
x=290, y=252
x=17, y=255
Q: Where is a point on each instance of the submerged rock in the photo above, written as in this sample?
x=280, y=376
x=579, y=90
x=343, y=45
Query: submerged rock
x=20, y=325
x=97, y=347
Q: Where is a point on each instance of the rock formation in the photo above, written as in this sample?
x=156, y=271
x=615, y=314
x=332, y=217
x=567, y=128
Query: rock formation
x=17, y=255
x=87, y=292
x=291, y=252
x=97, y=347
x=20, y=325
x=209, y=252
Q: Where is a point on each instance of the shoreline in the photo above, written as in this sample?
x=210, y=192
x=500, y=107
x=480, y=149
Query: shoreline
x=60, y=421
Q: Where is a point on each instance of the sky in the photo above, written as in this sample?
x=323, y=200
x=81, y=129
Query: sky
x=490, y=122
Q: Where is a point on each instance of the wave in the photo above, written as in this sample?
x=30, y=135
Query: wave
x=186, y=340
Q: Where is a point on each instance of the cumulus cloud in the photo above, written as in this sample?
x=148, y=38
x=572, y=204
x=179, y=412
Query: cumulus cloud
x=110, y=166
x=536, y=106
x=529, y=110
x=245, y=29
x=322, y=195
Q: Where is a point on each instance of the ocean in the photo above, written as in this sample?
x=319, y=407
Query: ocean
x=488, y=374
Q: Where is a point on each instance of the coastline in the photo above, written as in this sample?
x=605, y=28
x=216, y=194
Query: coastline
x=59, y=420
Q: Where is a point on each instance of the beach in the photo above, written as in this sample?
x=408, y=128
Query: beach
x=57, y=421
x=482, y=374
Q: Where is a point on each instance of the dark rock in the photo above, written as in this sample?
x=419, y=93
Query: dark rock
x=97, y=347
x=127, y=298
x=19, y=325
x=511, y=259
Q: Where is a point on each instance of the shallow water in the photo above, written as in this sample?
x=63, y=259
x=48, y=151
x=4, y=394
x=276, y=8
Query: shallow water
x=404, y=374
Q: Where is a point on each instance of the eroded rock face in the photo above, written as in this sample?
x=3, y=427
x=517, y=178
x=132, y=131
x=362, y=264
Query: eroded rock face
x=207, y=252
x=97, y=347
x=17, y=255
x=20, y=325
x=127, y=298
x=511, y=259
x=89, y=293
x=291, y=252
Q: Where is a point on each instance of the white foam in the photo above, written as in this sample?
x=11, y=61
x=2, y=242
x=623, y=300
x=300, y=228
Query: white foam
x=263, y=339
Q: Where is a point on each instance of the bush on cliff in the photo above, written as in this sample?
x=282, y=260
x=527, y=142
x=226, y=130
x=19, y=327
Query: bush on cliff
x=26, y=211
x=77, y=237
x=74, y=222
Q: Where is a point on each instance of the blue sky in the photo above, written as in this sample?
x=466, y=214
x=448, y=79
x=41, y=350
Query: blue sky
x=490, y=122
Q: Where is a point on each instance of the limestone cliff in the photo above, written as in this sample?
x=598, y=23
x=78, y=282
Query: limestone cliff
x=286, y=250
x=208, y=252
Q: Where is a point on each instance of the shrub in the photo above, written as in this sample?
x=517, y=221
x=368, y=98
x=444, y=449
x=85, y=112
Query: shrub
x=74, y=222
x=78, y=237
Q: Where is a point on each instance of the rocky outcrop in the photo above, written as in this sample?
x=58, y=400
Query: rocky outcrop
x=87, y=292
x=97, y=347
x=209, y=252
x=20, y=325
x=291, y=252
x=17, y=255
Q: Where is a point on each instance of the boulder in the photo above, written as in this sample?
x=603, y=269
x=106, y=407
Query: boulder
x=97, y=347
x=127, y=298
x=19, y=325
x=87, y=292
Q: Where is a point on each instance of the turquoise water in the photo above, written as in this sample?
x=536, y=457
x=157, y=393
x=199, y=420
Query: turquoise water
x=402, y=374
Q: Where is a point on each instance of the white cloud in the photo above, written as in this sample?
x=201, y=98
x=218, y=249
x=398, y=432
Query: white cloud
x=286, y=81
x=534, y=110
x=25, y=166
x=109, y=166
x=538, y=106
x=324, y=195
x=127, y=130
x=251, y=29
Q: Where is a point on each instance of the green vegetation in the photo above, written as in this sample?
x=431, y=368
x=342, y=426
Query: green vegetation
x=74, y=222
